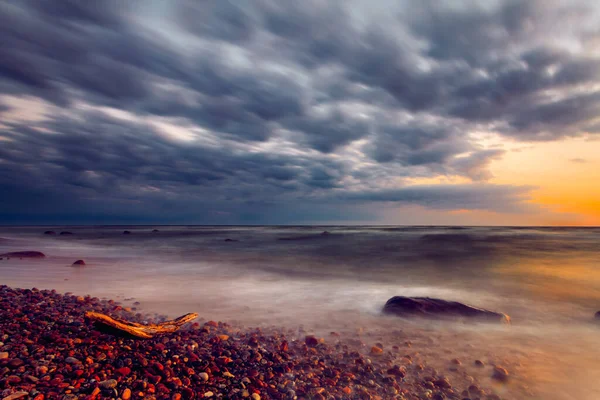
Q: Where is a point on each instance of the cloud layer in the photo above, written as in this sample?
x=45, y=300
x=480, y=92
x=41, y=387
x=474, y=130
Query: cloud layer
x=209, y=111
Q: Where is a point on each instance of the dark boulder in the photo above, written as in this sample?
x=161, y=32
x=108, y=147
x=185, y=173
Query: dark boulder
x=126, y=233
x=78, y=263
x=231, y=240
x=24, y=254
x=437, y=308
x=49, y=233
x=64, y=233
x=155, y=230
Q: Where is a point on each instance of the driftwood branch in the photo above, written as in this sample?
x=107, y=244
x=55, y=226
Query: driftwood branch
x=139, y=330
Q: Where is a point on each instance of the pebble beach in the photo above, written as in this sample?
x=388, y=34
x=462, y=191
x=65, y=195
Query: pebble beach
x=49, y=350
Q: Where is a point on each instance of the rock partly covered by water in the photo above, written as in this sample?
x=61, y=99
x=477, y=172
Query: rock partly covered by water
x=437, y=308
x=49, y=233
x=66, y=233
x=24, y=254
x=78, y=263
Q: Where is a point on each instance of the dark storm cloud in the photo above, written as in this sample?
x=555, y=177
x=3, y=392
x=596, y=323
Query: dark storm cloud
x=295, y=102
x=91, y=158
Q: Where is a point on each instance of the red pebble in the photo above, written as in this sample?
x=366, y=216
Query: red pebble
x=284, y=346
x=123, y=371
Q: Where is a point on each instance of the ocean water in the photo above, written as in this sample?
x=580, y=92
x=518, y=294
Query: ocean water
x=546, y=279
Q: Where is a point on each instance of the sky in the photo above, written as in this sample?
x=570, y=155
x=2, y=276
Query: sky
x=313, y=112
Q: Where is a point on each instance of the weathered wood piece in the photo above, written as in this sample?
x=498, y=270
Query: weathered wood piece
x=140, y=330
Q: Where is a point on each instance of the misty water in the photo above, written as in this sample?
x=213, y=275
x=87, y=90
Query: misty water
x=546, y=279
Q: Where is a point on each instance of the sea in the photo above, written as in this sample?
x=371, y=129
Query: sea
x=320, y=279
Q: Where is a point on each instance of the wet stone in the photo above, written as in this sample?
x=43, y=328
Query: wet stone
x=500, y=374
x=108, y=384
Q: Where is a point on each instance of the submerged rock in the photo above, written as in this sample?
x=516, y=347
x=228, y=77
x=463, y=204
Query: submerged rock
x=126, y=233
x=500, y=374
x=437, y=308
x=78, y=262
x=24, y=254
x=155, y=230
x=231, y=240
x=49, y=233
x=65, y=233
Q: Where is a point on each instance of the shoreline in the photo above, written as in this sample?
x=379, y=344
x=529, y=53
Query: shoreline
x=50, y=351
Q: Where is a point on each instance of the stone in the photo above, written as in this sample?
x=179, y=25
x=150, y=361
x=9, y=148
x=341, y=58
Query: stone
x=479, y=363
x=66, y=233
x=126, y=233
x=597, y=315
x=24, y=254
x=49, y=233
x=203, y=376
x=72, y=360
x=15, y=363
x=255, y=396
x=3, y=355
x=311, y=341
x=108, y=384
x=78, y=263
x=126, y=395
x=500, y=374
x=437, y=308
x=16, y=395
x=155, y=231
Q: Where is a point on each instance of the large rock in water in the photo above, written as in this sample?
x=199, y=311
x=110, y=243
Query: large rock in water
x=437, y=308
x=24, y=254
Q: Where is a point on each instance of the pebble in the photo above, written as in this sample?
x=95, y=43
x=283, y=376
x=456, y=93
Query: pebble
x=311, y=341
x=72, y=360
x=3, y=355
x=16, y=395
x=479, y=363
x=208, y=394
x=255, y=396
x=204, y=376
x=126, y=395
x=108, y=384
x=500, y=374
